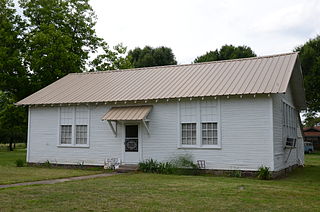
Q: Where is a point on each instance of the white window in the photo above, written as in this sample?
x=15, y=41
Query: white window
x=199, y=124
x=81, y=134
x=209, y=133
x=189, y=134
x=66, y=134
x=289, y=126
x=74, y=122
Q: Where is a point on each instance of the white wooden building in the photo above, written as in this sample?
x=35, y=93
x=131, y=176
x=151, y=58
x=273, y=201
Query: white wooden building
x=233, y=114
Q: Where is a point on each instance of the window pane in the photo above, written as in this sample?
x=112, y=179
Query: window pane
x=189, y=134
x=65, y=134
x=81, y=134
x=209, y=133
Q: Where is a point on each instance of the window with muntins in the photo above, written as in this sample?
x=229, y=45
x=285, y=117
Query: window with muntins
x=199, y=124
x=74, y=126
x=209, y=133
x=81, y=134
x=189, y=134
x=289, y=126
x=66, y=134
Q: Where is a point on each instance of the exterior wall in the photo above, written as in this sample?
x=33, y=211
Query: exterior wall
x=284, y=157
x=244, y=130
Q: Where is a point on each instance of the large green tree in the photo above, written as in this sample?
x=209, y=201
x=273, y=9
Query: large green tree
x=149, y=56
x=59, y=39
x=309, y=54
x=14, y=77
x=226, y=52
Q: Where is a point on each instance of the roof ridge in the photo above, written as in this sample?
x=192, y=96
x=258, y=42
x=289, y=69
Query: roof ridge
x=191, y=64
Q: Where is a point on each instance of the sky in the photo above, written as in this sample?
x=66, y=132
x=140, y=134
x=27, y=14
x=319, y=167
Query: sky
x=193, y=27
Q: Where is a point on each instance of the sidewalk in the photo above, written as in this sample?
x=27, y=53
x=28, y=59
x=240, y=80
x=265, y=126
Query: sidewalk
x=54, y=181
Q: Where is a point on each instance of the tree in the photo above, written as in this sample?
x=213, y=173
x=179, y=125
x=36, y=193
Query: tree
x=59, y=39
x=111, y=59
x=13, y=121
x=149, y=56
x=13, y=75
x=309, y=54
x=226, y=52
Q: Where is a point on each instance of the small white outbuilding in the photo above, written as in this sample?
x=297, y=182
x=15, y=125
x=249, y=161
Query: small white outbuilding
x=233, y=115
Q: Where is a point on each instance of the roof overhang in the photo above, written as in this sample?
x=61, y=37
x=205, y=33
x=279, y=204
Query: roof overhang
x=297, y=86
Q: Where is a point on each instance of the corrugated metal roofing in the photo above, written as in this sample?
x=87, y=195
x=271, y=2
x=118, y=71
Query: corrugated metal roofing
x=127, y=113
x=257, y=75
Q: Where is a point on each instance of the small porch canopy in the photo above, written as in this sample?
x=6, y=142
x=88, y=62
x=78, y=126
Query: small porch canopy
x=131, y=113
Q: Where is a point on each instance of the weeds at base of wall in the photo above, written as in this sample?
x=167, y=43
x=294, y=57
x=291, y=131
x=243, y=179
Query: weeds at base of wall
x=182, y=165
x=264, y=173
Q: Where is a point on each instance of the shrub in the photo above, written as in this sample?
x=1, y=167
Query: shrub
x=264, y=173
x=19, y=163
x=185, y=165
x=153, y=166
x=235, y=173
x=47, y=164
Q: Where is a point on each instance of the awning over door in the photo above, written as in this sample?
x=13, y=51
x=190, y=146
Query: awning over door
x=127, y=113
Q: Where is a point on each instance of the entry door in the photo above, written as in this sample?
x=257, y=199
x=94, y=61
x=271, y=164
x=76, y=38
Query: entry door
x=131, y=144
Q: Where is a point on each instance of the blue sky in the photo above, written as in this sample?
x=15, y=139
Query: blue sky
x=192, y=27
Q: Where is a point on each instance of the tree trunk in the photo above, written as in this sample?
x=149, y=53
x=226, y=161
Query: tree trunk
x=10, y=146
x=14, y=145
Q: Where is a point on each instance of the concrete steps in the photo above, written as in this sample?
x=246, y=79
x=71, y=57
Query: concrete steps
x=125, y=168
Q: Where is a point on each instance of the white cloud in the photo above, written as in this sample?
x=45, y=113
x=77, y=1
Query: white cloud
x=193, y=27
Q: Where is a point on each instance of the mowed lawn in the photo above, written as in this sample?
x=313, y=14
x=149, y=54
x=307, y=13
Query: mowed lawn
x=9, y=173
x=300, y=191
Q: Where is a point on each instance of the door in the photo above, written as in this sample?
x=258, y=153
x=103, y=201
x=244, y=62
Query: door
x=131, y=144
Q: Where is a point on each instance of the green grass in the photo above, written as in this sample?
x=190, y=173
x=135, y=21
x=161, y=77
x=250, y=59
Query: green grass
x=300, y=191
x=9, y=173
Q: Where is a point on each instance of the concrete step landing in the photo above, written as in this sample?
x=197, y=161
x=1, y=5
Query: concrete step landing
x=125, y=168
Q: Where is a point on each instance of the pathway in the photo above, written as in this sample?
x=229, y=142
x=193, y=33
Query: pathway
x=54, y=181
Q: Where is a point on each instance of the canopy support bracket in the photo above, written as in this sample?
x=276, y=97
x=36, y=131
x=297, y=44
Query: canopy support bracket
x=146, y=126
x=113, y=128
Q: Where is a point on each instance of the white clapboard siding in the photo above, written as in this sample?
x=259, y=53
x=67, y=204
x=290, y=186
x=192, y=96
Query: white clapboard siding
x=245, y=126
x=284, y=158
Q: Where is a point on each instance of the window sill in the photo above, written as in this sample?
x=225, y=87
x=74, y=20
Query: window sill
x=73, y=146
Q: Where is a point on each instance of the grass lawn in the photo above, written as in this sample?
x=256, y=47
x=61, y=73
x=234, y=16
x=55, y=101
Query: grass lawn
x=151, y=192
x=9, y=173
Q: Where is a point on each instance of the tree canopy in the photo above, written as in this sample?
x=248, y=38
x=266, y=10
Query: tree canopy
x=149, y=56
x=59, y=38
x=309, y=54
x=226, y=52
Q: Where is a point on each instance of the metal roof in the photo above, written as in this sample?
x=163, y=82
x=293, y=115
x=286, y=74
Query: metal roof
x=256, y=75
x=127, y=113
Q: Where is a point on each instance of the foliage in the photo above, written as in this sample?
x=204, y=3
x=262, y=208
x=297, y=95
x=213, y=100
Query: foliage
x=235, y=173
x=309, y=54
x=111, y=59
x=149, y=56
x=13, y=75
x=19, y=163
x=226, y=52
x=185, y=165
x=182, y=164
x=311, y=119
x=13, y=121
x=47, y=164
x=153, y=166
x=264, y=173
x=59, y=38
